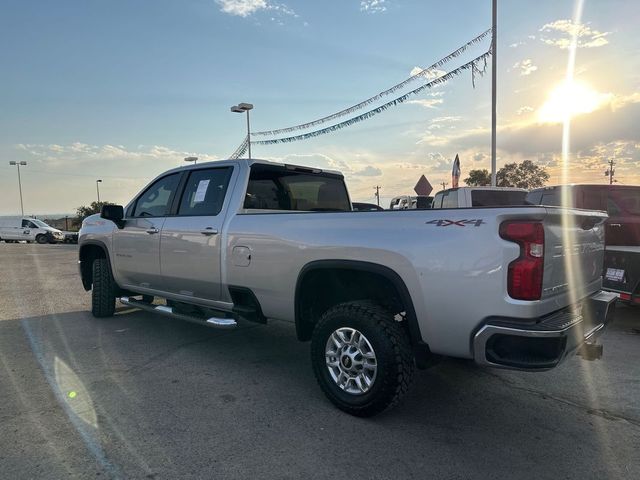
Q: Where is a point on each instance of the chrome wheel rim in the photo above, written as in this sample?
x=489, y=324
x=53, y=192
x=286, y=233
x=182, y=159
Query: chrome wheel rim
x=351, y=361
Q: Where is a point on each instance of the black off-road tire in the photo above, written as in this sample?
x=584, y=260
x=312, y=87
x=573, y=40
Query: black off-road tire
x=41, y=239
x=392, y=347
x=103, y=292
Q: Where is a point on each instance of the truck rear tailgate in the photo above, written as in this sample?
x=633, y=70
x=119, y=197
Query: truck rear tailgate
x=574, y=252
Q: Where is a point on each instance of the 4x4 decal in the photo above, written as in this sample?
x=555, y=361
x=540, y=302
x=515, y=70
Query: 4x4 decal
x=457, y=223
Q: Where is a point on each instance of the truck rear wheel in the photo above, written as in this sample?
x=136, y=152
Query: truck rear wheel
x=361, y=358
x=103, y=292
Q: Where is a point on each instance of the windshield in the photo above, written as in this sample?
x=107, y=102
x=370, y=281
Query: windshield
x=40, y=223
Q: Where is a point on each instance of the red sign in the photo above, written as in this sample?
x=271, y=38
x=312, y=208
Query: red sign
x=423, y=187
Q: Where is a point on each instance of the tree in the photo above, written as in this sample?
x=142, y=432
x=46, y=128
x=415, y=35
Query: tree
x=522, y=175
x=478, y=178
x=83, y=211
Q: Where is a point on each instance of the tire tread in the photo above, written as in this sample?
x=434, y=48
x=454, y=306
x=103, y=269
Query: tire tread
x=103, y=296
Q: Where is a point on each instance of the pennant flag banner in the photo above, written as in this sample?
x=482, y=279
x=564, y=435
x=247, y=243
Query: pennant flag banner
x=472, y=65
x=241, y=149
x=424, y=73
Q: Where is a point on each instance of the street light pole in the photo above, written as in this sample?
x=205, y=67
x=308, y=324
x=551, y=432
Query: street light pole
x=248, y=134
x=17, y=164
x=191, y=159
x=98, y=189
x=245, y=107
x=494, y=69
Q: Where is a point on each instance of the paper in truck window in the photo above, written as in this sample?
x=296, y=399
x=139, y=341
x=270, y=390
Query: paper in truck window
x=201, y=192
x=615, y=275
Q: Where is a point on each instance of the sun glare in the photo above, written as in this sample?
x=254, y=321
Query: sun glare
x=569, y=99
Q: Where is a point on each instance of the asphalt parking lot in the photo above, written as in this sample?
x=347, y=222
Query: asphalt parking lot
x=142, y=396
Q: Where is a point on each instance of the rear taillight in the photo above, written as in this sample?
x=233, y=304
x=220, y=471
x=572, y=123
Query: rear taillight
x=524, y=279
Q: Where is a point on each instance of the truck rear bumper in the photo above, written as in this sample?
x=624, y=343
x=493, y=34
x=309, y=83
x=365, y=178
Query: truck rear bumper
x=544, y=343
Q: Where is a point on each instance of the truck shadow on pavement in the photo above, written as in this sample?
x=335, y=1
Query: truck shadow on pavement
x=148, y=395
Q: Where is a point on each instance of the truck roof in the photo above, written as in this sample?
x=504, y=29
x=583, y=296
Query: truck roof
x=249, y=162
x=510, y=189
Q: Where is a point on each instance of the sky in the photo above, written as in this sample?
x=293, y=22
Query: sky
x=122, y=91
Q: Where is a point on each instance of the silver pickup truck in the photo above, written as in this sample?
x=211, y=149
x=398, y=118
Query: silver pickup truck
x=376, y=293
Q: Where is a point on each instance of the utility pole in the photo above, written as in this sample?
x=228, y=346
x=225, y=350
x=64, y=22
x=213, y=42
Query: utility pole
x=444, y=185
x=378, y=187
x=611, y=172
x=494, y=69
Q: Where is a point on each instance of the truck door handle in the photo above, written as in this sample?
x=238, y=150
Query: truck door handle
x=209, y=231
x=152, y=230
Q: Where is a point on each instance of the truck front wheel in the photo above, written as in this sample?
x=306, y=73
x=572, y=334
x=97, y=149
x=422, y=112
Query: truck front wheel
x=103, y=292
x=362, y=358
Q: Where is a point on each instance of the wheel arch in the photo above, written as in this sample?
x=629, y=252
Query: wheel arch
x=88, y=252
x=365, y=280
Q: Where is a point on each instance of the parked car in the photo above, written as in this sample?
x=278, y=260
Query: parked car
x=15, y=229
x=70, y=237
x=466, y=197
x=621, y=272
x=407, y=202
x=366, y=207
x=403, y=202
x=249, y=240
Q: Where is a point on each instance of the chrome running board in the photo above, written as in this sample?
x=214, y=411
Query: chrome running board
x=216, y=322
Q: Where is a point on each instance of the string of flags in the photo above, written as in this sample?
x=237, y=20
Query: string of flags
x=472, y=65
x=425, y=73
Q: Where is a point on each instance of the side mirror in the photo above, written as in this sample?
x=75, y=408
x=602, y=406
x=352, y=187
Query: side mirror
x=115, y=213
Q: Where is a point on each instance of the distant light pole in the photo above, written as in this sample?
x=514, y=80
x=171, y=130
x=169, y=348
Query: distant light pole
x=98, y=188
x=245, y=107
x=191, y=159
x=494, y=88
x=17, y=164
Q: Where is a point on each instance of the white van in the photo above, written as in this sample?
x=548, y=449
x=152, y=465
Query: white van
x=15, y=229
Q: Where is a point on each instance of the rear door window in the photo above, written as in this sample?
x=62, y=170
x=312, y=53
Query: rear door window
x=282, y=188
x=204, y=192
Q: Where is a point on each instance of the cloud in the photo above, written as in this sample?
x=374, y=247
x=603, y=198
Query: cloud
x=369, y=171
x=449, y=119
x=517, y=44
x=428, y=74
x=427, y=102
x=524, y=109
x=525, y=66
x=604, y=125
x=246, y=8
x=562, y=31
x=373, y=6
x=81, y=155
